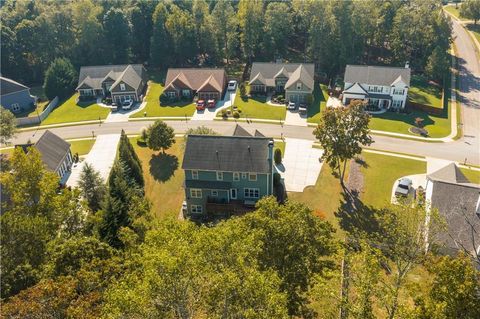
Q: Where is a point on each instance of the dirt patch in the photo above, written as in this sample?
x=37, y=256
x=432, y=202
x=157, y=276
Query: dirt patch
x=355, y=176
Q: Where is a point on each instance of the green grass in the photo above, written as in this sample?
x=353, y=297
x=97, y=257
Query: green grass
x=381, y=172
x=81, y=147
x=155, y=108
x=475, y=29
x=163, y=178
x=257, y=108
x=423, y=92
x=472, y=175
x=454, y=11
x=320, y=96
x=71, y=111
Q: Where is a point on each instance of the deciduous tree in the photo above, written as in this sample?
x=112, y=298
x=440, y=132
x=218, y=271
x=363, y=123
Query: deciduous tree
x=160, y=136
x=470, y=9
x=8, y=125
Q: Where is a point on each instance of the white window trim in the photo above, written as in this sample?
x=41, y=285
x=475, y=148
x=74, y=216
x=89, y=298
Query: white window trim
x=231, y=193
x=122, y=87
x=299, y=85
x=244, y=175
x=195, y=193
x=250, y=192
x=219, y=176
x=236, y=176
x=250, y=177
x=196, y=209
x=15, y=107
x=194, y=174
x=214, y=192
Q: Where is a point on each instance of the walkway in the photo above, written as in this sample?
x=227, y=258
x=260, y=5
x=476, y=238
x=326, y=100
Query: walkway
x=101, y=157
x=301, y=164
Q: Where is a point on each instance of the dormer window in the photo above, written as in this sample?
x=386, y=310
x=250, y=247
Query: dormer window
x=122, y=87
x=299, y=85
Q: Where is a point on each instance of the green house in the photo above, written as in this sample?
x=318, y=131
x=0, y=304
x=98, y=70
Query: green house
x=226, y=175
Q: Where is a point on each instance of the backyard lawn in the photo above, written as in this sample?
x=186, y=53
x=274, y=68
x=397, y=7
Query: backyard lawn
x=71, y=111
x=320, y=96
x=379, y=174
x=154, y=108
x=423, y=92
x=163, y=178
x=81, y=147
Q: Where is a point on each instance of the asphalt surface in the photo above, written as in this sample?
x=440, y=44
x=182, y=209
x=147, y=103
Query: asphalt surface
x=465, y=149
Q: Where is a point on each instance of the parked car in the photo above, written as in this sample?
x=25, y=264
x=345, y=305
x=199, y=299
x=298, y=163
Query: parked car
x=200, y=105
x=127, y=104
x=403, y=187
x=211, y=104
x=232, y=85
x=302, y=108
x=291, y=106
x=114, y=107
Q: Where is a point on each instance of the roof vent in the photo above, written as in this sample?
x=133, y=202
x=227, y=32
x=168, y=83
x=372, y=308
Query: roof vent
x=407, y=65
x=248, y=148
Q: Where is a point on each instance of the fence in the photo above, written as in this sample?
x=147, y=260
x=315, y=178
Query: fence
x=25, y=121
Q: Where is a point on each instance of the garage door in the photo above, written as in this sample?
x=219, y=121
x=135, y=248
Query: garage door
x=293, y=98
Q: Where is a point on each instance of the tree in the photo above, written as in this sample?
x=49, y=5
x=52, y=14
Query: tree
x=278, y=28
x=470, y=9
x=141, y=20
x=250, y=17
x=160, y=54
x=342, y=132
x=117, y=30
x=226, y=25
x=8, y=125
x=201, y=130
x=60, y=79
x=180, y=27
x=437, y=64
x=128, y=157
x=160, y=136
x=277, y=156
x=92, y=187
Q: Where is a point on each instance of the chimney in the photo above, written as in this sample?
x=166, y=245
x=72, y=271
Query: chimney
x=407, y=65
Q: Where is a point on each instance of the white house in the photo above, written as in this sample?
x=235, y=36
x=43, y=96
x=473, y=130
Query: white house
x=381, y=86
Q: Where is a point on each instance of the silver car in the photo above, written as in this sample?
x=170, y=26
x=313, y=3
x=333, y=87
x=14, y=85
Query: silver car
x=291, y=106
x=403, y=187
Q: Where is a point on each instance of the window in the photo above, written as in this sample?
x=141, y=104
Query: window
x=196, y=209
x=251, y=192
x=195, y=193
x=214, y=192
x=15, y=107
x=194, y=174
x=233, y=193
x=170, y=94
x=397, y=103
x=398, y=91
x=299, y=85
x=236, y=176
x=122, y=87
x=186, y=92
x=219, y=176
x=252, y=177
x=244, y=175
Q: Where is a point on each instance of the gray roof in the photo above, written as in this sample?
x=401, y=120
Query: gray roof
x=376, y=75
x=93, y=76
x=52, y=149
x=8, y=86
x=449, y=174
x=458, y=204
x=266, y=72
x=227, y=153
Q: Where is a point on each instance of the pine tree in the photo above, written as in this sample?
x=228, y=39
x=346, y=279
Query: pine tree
x=92, y=187
x=127, y=155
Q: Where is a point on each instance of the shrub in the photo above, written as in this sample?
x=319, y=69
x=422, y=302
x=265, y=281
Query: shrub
x=242, y=89
x=276, y=179
x=419, y=122
x=277, y=156
x=236, y=114
x=280, y=97
x=224, y=113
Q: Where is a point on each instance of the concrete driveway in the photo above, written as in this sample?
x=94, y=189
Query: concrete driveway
x=123, y=115
x=417, y=180
x=301, y=164
x=295, y=118
x=101, y=157
x=209, y=114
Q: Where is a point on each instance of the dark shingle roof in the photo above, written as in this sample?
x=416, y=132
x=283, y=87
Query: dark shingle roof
x=376, y=75
x=196, y=78
x=450, y=174
x=132, y=74
x=8, y=86
x=266, y=72
x=227, y=153
x=52, y=149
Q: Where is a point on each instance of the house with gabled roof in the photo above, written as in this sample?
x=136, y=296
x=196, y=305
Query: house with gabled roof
x=121, y=82
x=15, y=96
x=226, y=175
x=206, y=83
x=382, y=86
x=296, y=80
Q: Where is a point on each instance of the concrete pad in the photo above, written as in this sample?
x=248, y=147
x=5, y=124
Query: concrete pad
x=101, y=157
x=295, y=118
x=417, y=180
x=301, y=164
x=123, y=115
x=210, y=114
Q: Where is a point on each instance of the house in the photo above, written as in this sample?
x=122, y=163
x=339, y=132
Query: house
x=120, y=82
x=458, y=202
x=205, y=83
x=296, y=80
x=380, y=86
x=15, y=96
x=55, y=153
x=226, y=175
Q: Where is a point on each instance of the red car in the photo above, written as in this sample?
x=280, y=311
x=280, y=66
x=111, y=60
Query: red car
x=200, y=105
x=211, y=104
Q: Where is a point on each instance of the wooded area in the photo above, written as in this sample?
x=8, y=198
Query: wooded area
x=213, y=33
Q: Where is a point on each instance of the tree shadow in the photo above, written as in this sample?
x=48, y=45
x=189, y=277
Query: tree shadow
x=361, y=162
x=163, y=166
x=354, y=216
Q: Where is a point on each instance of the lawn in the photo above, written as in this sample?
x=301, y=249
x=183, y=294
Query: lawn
x=81, y=147
x=472, y=175
x=423, y=92
x=163, y=178
x=257, y=108
x=71, y=111
x=280, y=145
x=154, y=108
x=320, y=96
x=454, y=11
x=381, y=171
x=475, y=29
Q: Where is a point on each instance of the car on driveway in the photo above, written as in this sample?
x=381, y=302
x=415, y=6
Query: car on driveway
x=403, y=187
x=114, y=107
x=232, y=85
x=200, y=105
x=291, y=106
x=211, y=104
x=127, y=104
x=302, y=108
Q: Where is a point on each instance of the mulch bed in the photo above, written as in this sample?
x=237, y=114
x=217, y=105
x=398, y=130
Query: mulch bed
x=418, y=131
